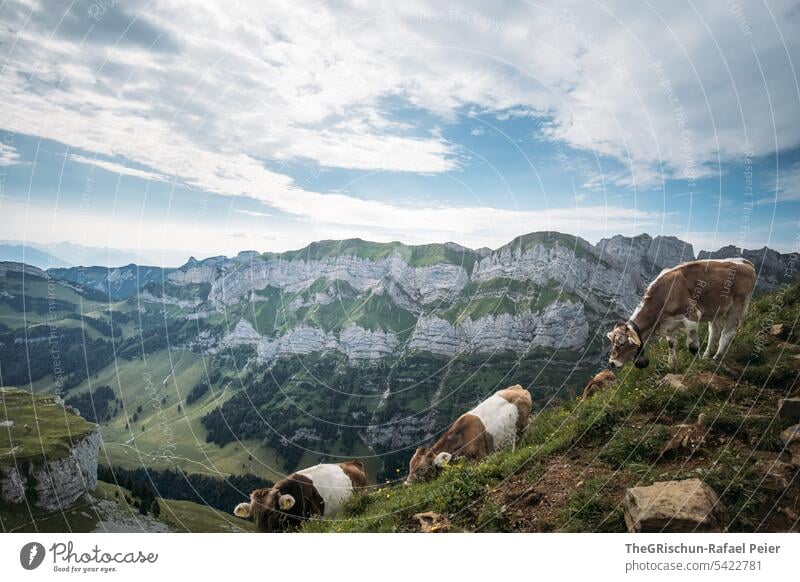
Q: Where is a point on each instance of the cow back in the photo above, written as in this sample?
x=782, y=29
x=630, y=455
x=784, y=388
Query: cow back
x=499, y=417
x=332, y=483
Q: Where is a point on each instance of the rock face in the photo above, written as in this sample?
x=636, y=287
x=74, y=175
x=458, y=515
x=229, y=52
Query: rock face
x=789, y=409
x=673, y=506
x=56, y=483
x=773, y=268
x=643, y=257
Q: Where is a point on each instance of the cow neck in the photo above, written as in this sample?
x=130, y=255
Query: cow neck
x=643, y=326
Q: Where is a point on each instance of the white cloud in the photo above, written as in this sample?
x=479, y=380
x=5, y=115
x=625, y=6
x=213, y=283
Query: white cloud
x=786, y=187
x=8, y=155
x=666, y=91
x=255, y=213
x=116, y=168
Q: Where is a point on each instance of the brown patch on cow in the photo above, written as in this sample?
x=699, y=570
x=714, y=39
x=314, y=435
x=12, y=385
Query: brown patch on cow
x=357, y=473
x=467, y=438
x=522, y=399
x=598, y=383
x=268, y=517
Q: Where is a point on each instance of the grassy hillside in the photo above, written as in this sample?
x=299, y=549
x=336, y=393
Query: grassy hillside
x=414, y=255
x=579, y=458
x=40, y=428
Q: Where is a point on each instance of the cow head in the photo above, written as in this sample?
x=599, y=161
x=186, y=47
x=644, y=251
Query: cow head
x=625, y=346
x=425, y=465
x=283, y=506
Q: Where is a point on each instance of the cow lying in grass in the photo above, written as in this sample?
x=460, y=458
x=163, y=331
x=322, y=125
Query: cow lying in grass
x=717, y=291
x=320, y=490
x=496, y=423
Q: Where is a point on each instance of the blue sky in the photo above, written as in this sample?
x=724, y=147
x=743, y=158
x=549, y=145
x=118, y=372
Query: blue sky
x=169, y=129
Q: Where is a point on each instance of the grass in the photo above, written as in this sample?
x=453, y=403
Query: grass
x=51, y=429
x=172, y=437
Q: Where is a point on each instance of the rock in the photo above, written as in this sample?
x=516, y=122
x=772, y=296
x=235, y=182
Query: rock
x=675, y=381
x=714, y=381
x=673, y=506
x=791, y=442
x=430, y=522
x=7, y=424
x=777, y=330
x=56, y=483
x=687, y=437
x=789, y=409
x=777, y=474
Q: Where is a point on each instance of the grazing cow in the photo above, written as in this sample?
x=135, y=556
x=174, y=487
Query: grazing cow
x=496, y=423
x=598, y=382
x=318, y=490
x=717, y=291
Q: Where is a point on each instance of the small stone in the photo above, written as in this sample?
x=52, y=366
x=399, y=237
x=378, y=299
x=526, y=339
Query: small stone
x=777, y=474
x=673, y=506
x=430, y=522
x=777, y=330
x=789, y=409
x=7, y=424
x=791, y=440
x=791, y=435
x=715, y=382
x=675, y=381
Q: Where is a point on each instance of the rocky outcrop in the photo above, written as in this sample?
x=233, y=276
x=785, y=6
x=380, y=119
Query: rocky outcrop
x=789, y=409
x=354, y=341
x=561, y=325
x=643, y=256
x=673, y=506
x=581, y=273
x=54, y=483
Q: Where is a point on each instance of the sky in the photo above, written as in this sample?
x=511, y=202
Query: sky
x=172, y=128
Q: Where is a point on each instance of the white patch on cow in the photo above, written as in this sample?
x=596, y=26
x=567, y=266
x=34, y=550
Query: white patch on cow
x=669, y=325
x=333, y=485
x=499, y=417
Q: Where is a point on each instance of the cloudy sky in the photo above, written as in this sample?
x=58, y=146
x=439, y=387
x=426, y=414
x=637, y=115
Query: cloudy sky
x=170, y=128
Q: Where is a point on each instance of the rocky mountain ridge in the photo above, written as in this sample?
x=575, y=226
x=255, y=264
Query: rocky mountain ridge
x=541, y=290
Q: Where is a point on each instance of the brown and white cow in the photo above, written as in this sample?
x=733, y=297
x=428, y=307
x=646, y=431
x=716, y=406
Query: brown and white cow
x=320, y=490
x=496, y=423
x=716, y=290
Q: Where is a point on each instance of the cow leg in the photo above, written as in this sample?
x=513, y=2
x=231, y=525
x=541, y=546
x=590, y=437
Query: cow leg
x=714, y=328
x=672, y=359
x=728, y=331
x=692, y=339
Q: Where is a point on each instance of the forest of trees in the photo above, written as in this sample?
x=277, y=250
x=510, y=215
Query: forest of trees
x=96, y=406
x=65, y=354
x=223, y=494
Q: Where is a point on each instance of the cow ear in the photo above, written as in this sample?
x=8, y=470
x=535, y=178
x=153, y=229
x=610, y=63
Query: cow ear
x=442, y=459
x=242, y=510
x=285, y=502
x=610, y=335
x=634, y=338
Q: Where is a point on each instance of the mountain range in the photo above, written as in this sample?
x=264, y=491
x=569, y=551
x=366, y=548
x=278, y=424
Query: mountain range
x=338, y=349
